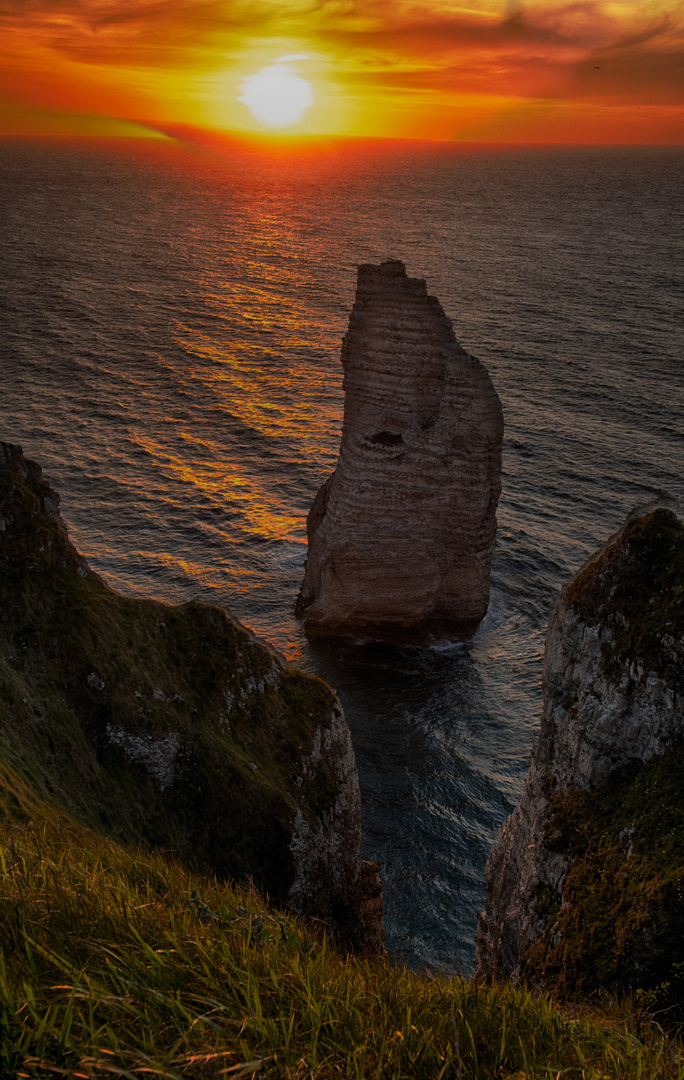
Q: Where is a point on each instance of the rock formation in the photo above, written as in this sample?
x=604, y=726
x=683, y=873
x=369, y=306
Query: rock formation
x=401, y=535
x=579, y=879
x=173, y=726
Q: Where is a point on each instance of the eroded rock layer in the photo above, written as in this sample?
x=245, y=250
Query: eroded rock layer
x=579, y=879
x=401, y=535
x=172, y=726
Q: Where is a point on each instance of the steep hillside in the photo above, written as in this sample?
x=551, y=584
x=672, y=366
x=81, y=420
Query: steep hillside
x=118, y=963
x=171, y=727
x=586, y=878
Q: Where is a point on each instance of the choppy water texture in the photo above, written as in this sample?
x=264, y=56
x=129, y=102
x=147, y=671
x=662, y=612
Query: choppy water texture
x=171, y=324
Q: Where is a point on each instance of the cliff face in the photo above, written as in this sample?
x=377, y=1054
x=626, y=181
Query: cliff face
x=401, y=535
x=172, y=726
x=613, y=701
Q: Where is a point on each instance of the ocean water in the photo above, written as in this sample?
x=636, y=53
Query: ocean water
x=170, y=325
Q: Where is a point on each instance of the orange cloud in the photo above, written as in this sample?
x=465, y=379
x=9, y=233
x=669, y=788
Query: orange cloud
x=401, y=67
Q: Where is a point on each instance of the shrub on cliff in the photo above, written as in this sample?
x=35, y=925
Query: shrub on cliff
x=620, y=925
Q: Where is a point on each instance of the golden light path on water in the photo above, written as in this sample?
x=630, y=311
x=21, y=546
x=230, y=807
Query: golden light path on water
x=172, y=359
x=294, y=409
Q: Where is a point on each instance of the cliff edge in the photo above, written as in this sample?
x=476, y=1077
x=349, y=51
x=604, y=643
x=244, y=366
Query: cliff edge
x=173, y=727
x=585, y=878
x=401, y=535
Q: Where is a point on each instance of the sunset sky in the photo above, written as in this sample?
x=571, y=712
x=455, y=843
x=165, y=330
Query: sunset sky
x=491, y=71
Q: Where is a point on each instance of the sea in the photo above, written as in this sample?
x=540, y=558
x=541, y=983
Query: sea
x=170, y=327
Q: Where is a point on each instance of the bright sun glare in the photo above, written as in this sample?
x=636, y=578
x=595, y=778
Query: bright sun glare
x=275, y=95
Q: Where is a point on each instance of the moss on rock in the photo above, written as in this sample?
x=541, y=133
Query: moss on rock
x=172, y=727
x=619, y=922
x=634, y=588
x=585, y=879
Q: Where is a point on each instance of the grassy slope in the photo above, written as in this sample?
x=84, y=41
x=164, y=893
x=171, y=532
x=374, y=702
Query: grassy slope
x=117, y=962
x=82, y=667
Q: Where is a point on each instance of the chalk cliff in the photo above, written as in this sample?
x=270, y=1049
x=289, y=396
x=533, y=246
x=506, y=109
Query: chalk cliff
x=584, y=879
x=173, y=726
x=401, y=535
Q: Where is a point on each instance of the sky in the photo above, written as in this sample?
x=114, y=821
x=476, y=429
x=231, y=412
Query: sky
x=492, y=71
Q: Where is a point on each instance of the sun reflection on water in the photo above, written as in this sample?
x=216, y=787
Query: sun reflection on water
x=173, y=363
x=229, y=491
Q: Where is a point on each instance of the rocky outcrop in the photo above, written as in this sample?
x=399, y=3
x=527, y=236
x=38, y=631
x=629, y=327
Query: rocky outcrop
x=613, y=699
x=401, y=535
x=172, y=726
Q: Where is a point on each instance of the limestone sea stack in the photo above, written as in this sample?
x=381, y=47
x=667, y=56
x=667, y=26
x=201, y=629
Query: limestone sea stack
x=585, y=877
x=401, y=535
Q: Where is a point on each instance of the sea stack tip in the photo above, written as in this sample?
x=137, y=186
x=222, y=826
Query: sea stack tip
x=401, y=535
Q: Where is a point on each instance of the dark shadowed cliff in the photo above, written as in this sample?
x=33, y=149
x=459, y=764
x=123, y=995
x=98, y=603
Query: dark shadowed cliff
x=172, y=727
x=586, y=878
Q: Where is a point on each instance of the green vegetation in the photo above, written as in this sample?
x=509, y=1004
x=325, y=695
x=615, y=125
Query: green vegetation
x=171, y=727
x=635, y=589
x=122, y=963
x=620, y=926
x=127, y=722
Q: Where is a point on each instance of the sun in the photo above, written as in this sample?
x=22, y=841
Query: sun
x=275, y=95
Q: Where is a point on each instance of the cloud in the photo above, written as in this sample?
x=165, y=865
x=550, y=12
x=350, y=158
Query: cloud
x=644, y=65
x=131, y=33
x=639, y=77
x=101, y=30
x=427, y=52
x=544, y=50
x=584, y=23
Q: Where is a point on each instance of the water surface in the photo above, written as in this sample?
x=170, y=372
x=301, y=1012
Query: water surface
x=171, y=324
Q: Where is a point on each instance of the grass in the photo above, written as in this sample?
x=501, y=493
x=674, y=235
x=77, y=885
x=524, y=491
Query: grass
x=119, y=961
x=86, y=672
x=116, y=962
